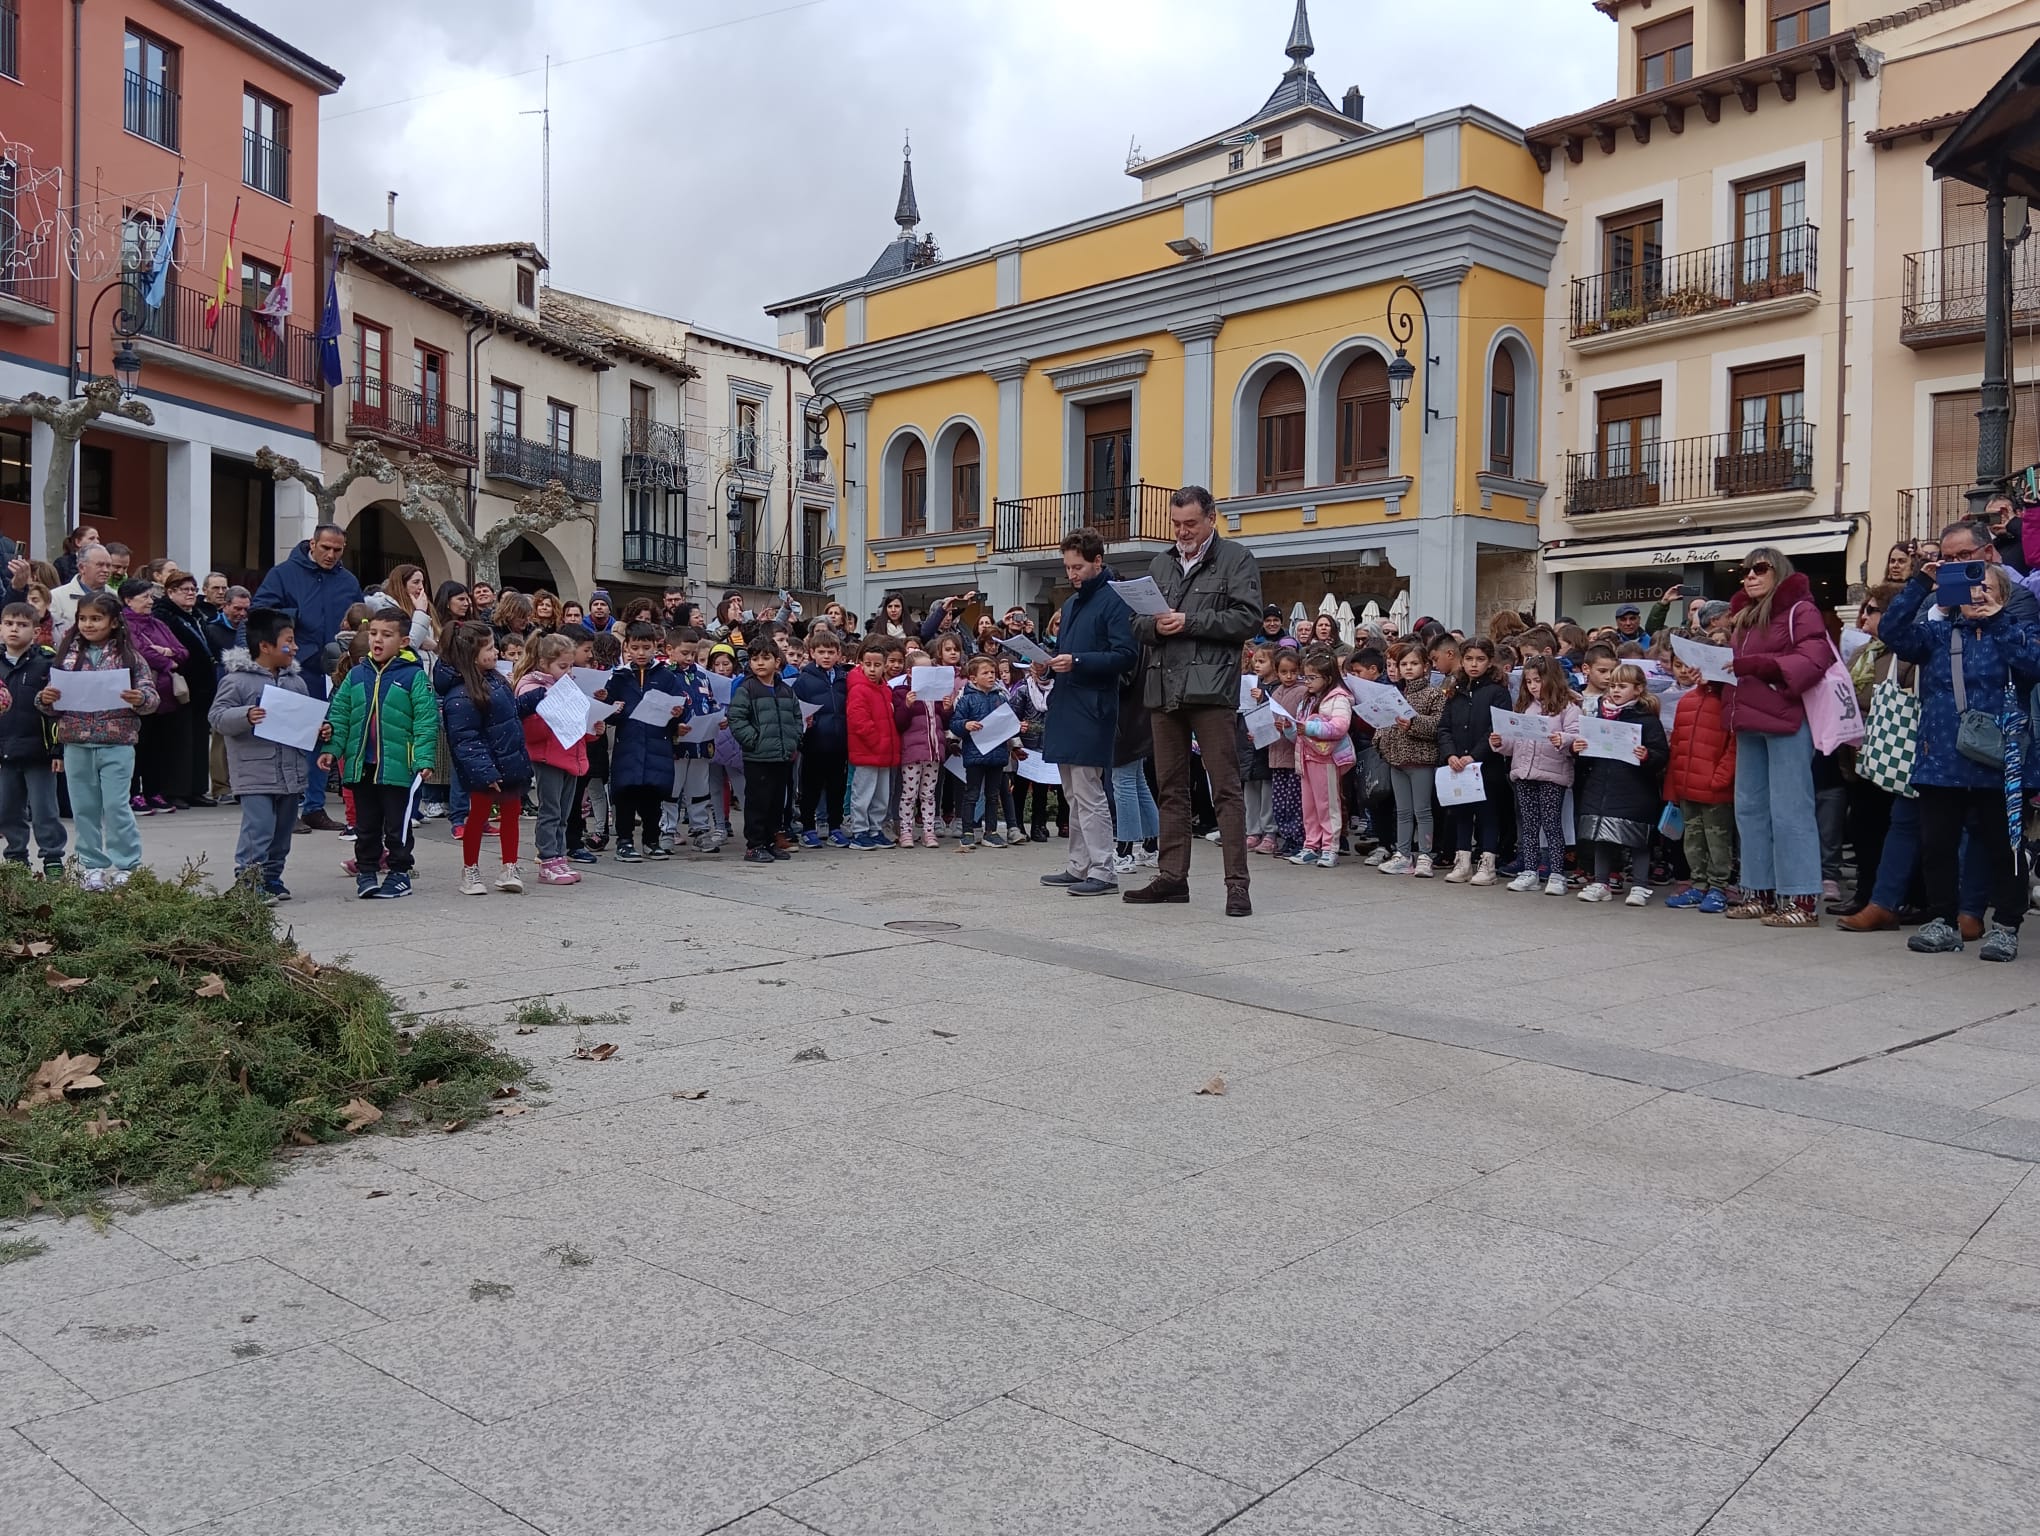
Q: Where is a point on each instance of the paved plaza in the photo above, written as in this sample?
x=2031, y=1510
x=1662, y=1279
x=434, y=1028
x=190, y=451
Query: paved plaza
x=1514, y=1218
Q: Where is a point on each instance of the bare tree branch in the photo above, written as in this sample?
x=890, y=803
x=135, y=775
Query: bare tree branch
x=69, y=421
x=366, y=462
x=440, y=503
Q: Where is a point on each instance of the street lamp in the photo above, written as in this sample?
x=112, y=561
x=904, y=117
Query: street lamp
x=817, y=417
x=1402, y=372
x=127, y=324
x=127, y=367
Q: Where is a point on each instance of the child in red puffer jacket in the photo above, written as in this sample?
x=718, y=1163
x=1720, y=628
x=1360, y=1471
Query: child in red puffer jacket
x=1700, y=781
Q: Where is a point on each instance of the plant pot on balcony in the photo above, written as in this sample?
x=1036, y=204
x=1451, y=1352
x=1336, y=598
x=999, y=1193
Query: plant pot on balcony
x=1767, y=469
x=1783, y=285
x=1613, y=493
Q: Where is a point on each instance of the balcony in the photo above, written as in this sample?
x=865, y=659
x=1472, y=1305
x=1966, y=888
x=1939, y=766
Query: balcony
x=655, y=553
x=1924, y=512
x=523, y=462
x=150, y=111
x=807, y=573
x=1732, y=284
x=28, y=277
x=265, y=164
x=761, y=568
x=240, y=347
x=1122, y=514
x=817, y=475
x=1945, y=291
x=1689, y=470
x=654, y=454
x=411, y=420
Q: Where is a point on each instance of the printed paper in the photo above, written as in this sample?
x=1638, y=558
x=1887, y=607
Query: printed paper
x=1616, y=740
x=288, y=718
x=1141, y=595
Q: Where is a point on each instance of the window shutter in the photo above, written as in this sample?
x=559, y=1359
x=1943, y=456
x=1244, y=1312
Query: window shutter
x=1629, y=404
x=1282, y=393
x=966, y=451
x=1663, y=36
x=1778, y=378
x=1962, y=214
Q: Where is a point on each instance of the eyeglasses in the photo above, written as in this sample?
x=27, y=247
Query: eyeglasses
x=1868, y=609
x=1757, y=568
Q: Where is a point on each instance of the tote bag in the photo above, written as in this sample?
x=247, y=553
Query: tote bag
x=1830, y=704
x=1891, y=740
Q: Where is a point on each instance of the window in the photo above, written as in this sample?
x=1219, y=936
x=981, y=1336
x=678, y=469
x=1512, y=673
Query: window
x=817, y=329
x=1955, y=430
x=1768, y=403
x=1664, y=52
x=10, y=51
x=1632, y=256
x=149, y=104
x=559, y=426
x=1280, y=465
x=428, y=379
x=265, y=144
x=371, y=372
x=1364, y=418
x=506, y=406
x=1271, y=148
x=1795, y=21
x=1236, y=161
x=95, y=483
x=1628, y=424
x=527, y=287
x=963, y=482
x=1502, y=414
x=1770, y=227
x=1962, y=214
x=747, y=445
x=640, y=417
x=914, y=491
x=1108, y=463
x=258, y=281
x=13, y=465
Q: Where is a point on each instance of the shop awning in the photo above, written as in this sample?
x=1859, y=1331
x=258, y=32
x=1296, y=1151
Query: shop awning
x=1671, y=551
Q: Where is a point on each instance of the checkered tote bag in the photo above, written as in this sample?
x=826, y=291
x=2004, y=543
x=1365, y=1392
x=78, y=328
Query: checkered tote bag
x=1891, y=740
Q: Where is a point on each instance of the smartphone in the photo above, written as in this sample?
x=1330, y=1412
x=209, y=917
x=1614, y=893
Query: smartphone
x=1956, y=581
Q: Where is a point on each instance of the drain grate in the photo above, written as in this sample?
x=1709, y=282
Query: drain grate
x=923, y=925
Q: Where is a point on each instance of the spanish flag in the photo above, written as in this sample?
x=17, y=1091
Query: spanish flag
x=212, y=311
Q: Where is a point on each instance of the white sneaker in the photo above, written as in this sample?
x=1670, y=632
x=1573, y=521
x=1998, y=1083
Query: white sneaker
x=1639, y=896
x=1555, y=886
x=1485, y=875
x=1148, y=858
x=510, y=881
x=116, y=878
x=1124, y=864
x=1396, y=865
x=1213, y=835
x=1424, y=867
x=1596, y=892
x=1379, y=857
x=1527, y=881
x=471, y=882
x=1328, y=858
x=1462, y=869
x=92, y=880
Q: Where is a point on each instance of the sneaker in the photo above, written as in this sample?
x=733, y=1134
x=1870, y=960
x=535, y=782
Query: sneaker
x=459, y=830
x=1148, y=858
x=928, y=839
x=1038, y=835
x=1485, y=874
x=140, y=806
x=1124, y=864
x=1379, y=857
x=1596, y=892
x=1095, y=888
x=1936, y=938
x=839, y=837
x=1308, y=856
x=994, y=840
x=1396, y=864
x=1423, y=867
x=1213, y=835
x=1462, y=869
x=366, y=887
x=1691, y=896
x=92, y=880
x=471, y=881
x=1527, y=881
x=1555, y=886
x=555, y=872
x=1714, y=903
x=626, y=853
x=1830, y=890
x=1063, y=878
x=396, y=883
x=1327, y=859
x=759, y=856
x=161, y=806
x=1639, y=896
x=2002, y=944
x=584, y=856
x=906, y=839
x=968, y=844
x=811, y=839
x=276, y=891
x=870, y=841
x=510, y=882
x=781, y=855
x=657, y=851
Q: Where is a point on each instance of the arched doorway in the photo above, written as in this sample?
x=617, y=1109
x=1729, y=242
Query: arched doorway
x=526, y=569
x=379, y=540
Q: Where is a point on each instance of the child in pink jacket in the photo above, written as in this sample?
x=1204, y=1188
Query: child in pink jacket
x=1324, y=751
x=1541, y=772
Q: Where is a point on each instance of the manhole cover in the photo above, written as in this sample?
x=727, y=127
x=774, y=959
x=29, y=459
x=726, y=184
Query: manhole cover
x=922, y=925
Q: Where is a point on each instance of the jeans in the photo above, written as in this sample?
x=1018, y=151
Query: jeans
x=1774, y=812
x=553, y=791
x=980, y=788
x=1090, y=822
x=457, y=803
x=28, y=794
x=99, y=778
x=315, y=780
x=870, y=798
x=1133, y=804
x=267, y=822
x=1412, y=808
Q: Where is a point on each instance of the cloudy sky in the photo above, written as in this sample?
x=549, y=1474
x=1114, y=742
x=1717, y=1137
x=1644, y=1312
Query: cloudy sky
x=710, y=156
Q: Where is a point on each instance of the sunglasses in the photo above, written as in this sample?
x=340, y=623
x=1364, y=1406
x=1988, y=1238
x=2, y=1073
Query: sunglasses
x=1757, y=568
x=1869, y=608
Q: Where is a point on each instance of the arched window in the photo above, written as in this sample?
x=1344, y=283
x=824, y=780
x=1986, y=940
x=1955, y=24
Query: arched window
x=964, y=482
x=1502, y=413
x=1364, y=417
x=914, y=490
x=1280, y=462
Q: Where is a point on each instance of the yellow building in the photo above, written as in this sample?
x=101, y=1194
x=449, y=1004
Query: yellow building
x=1230, y=329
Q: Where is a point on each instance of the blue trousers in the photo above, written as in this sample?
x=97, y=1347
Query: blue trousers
x=1774, y=812
x=1901, y=861
x=267, y=822
x=315, y=780
x=28, y=797
x=99, y=779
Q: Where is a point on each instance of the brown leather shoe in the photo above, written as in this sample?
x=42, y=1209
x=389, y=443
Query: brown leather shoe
x=1159, y=889
x=1237, y=903
x=1872, y=919
x=1971, y=928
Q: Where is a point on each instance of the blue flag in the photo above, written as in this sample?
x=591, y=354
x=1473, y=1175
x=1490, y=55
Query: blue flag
x=329, y=334
x=159, y=274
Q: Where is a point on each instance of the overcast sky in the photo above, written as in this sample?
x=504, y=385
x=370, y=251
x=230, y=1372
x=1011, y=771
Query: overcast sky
x=756, y=156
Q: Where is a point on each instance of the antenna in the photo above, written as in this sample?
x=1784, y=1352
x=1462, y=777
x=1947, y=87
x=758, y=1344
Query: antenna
x=1133, y=155
x=544, y=114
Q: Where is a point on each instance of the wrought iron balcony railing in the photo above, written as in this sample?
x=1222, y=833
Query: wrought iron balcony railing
x=265, y=164
x=654, y=454
x=523, y=462
x=807, y=572
x=28, y=268
x=1121, y=514
x=655, y=553
x=150, y=111
x=1923, y=513
x=1718, y=467
x=762, y=568
x=1699, y=282
x=405, y=416
x=1945, y=290
x=242, y=337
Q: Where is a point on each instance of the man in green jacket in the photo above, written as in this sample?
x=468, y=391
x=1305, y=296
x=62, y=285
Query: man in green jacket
x=1213, y=589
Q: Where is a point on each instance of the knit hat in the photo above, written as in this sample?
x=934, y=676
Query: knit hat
x=599, y=595
x=1272, y=611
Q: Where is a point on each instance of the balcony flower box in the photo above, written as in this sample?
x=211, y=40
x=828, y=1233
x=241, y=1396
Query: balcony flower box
x=1762, y=471
x=1613, y=493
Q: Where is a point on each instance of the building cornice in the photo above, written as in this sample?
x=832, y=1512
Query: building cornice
x=1474, y=226
x=1203, y=328
x=1007, y=371
x=287, y=57
x=1100, y=370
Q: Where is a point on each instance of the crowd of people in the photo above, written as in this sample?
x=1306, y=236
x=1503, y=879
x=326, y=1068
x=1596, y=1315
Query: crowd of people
x=1124, y=729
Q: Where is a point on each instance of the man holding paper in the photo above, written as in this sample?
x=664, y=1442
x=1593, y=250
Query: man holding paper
x=1213, y=591
x=1094, y=651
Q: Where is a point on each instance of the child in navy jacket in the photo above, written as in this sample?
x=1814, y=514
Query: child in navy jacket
x=485, y=740
x=641, y=762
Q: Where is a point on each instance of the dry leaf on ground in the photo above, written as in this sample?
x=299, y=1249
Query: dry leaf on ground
x=55, y=978
x=212, y=985
x=99, y=1125
x=1215, y=1088
x=63, y=1073
x=30, y=949
x=506, y=1091
x=594, y=1052
x=690, y=1093
x=304, y=1138
x=358, y=1114
x=452, y=1125
x=527, y=1029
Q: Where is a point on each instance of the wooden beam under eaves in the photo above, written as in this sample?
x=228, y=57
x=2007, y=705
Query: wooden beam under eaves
x=1605, y=137
x=1639, y=125
x=1710, y=106
x=1675, y=117
x=1824, y=71
x=1746, y=93
x=1787, y=82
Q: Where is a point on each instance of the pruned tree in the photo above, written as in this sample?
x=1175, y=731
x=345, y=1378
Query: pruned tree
x=69, y=420
x=440, y=503
x=365, y=462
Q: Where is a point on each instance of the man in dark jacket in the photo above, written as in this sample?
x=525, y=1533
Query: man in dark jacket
x=1094, y=650
x=316, y=590
x=1213, y=588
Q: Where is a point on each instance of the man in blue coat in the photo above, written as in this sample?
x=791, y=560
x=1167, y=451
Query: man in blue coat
x=1094, y=652
x=316, y=590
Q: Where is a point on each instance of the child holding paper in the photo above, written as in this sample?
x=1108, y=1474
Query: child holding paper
x=1324, y=751
x=1410, y=748
x=1463, y=731
x=99, y=744
x=874, y=742
x=485, y=737
x=385, y=731
x=1540, y=772
x=923, y=727
x=267, y=777
x=982, y=767
x=824, y=683
x=1285, y=789
x=557, y=770
x=694, y=761
x=1256, y=764
x=591, y=795
x=641, y=761
x=1700, y=781
x=1618, y=805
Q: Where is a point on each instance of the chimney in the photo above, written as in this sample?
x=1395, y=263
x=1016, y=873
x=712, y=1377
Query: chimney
x=1354, y=106
x=390, y=217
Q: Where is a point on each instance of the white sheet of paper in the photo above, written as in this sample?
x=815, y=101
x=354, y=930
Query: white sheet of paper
x=411, y=801
x=1037, y=769
x=1466, y=787
x=1710, y=661
x=1380, y=705
x=564, y=709
x=1027, y=650
x=1261, y=727
x=898, y=682
x=1512, y=727
x=1616, y=740
x=505, y=666
x=1853, y=641
x=807, y=713
x=656, y=708
x=954, y=764
x=82, y=692
x=1248, y=683
x=591, y=680
x=703, y=727
x=1281, y=713
x=722, y=687
x=600, y=710
x=1141, y=595
x=934, y=684
x=1000, y=725
x=288, y=718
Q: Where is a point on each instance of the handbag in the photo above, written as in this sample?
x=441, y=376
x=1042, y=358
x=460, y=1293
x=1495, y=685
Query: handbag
x=1891, y=739
x=1830, y=704
x=1978, y=736
x=180, y=689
